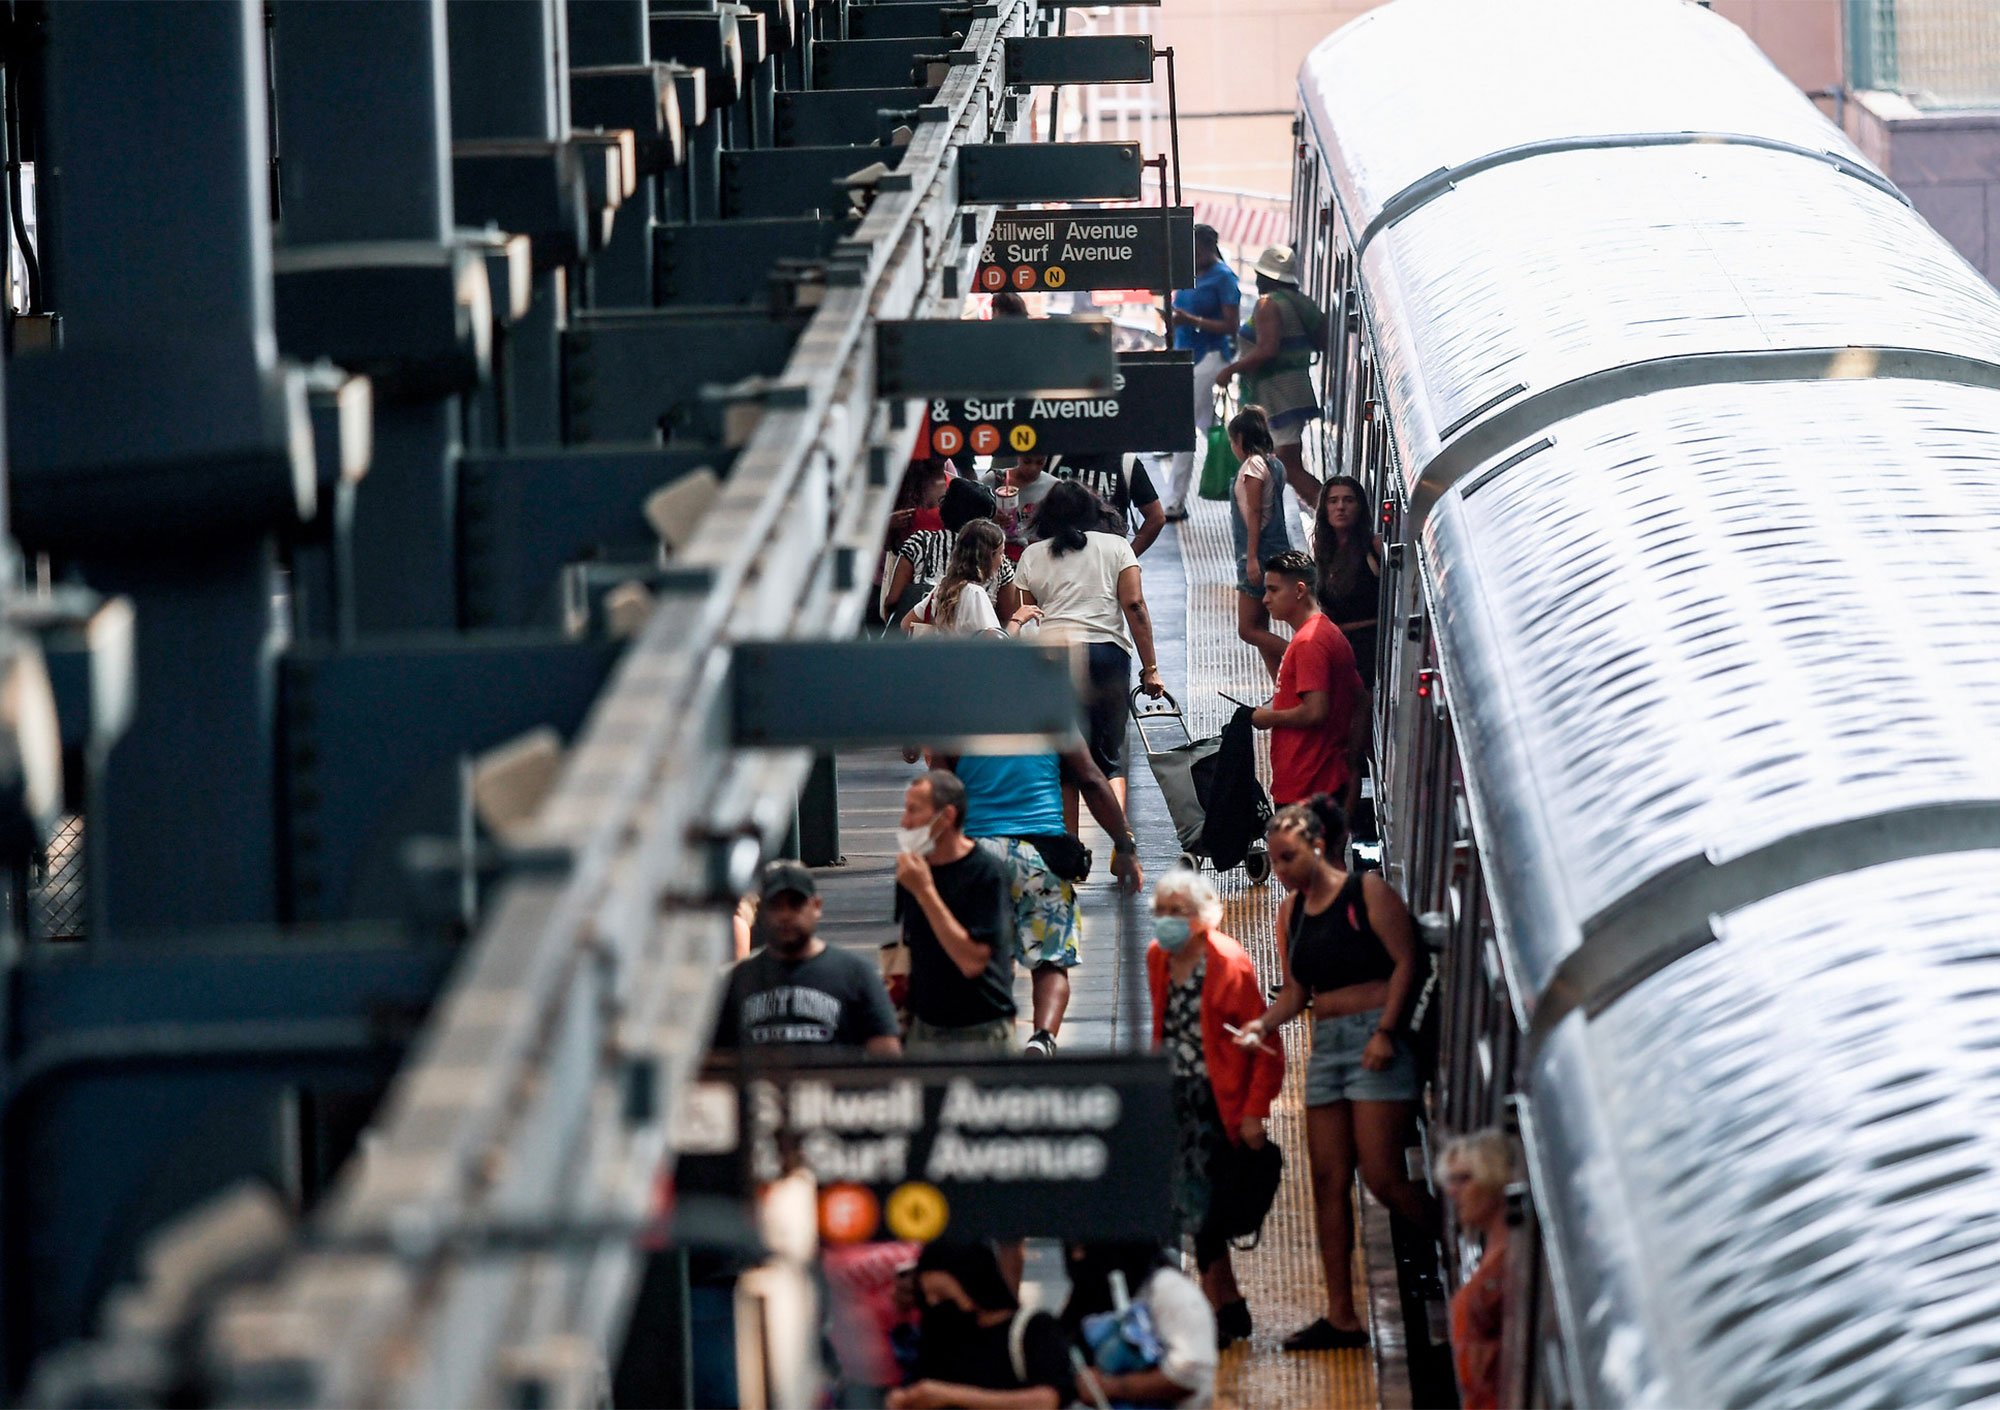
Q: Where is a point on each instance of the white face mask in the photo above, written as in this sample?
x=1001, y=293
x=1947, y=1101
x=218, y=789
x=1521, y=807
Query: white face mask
x=915, y=841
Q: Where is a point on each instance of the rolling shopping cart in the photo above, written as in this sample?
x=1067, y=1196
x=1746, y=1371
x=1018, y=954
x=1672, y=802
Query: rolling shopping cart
x=1185, y=772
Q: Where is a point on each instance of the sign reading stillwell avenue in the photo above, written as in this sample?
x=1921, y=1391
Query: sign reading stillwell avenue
x=1064, y=1148
x=1151, y=407
x=1089, y=247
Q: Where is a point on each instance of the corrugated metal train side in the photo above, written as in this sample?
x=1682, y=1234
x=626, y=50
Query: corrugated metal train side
x=1688, y=724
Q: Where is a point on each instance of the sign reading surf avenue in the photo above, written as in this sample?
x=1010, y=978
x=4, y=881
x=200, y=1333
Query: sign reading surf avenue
x=1089, y=247
x=1151, y=407
x=1065, y=1148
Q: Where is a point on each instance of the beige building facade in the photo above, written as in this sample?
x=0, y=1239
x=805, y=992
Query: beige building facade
x=1237, y=63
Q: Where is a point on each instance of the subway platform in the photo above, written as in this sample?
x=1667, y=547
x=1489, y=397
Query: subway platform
x=1190, y=589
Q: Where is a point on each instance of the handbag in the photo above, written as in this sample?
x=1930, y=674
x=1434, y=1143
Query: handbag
x=921, y=620
x=1243, y=1181
x=894, y=958
x=1064, y=855
x=1124, y=1339
x=1218, y=466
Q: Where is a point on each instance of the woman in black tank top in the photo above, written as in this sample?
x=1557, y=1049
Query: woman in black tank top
x=1352, y=955
x=1348, y=554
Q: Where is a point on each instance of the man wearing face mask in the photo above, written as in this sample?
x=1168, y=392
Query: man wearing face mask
x=797, y=992
x=979, y=1348
x=958, y=921
x=1205, y=988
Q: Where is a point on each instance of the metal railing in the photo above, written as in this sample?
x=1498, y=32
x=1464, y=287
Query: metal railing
x=1937, y=53
x=502, y=1111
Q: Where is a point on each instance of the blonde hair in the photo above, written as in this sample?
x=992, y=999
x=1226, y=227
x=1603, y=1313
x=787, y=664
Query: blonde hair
x=971, y=556
x=1488, y=1157
x=1192, y=889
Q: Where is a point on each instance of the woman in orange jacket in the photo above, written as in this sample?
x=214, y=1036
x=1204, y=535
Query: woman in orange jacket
x=1204, y=985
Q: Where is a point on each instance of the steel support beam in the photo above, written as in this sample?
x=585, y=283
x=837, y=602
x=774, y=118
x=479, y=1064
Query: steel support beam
x=366, y=177
x=1081, y=58
x=509, y=83
x=834, y=695
x=664, y=823
x=952, y=357
x=1013, y=173
x=173, y=500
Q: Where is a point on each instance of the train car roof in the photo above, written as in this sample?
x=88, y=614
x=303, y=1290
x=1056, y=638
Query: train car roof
x=1808, y=1199
x=1711, y=621
x=1544, y=272
x=1535, y=71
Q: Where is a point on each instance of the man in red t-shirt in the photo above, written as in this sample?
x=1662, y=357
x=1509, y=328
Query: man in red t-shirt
x=1318, y=716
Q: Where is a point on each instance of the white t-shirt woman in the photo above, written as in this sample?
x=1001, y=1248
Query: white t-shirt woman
x=1078, y=591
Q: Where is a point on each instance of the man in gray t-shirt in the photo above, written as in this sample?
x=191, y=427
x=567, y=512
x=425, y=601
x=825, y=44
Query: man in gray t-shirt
x=797, y=992
x=1020, y=489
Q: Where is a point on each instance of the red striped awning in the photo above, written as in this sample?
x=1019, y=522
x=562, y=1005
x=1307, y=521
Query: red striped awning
x=1249, y=228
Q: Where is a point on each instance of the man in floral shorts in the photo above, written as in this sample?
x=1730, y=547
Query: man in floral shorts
x=1014, y=810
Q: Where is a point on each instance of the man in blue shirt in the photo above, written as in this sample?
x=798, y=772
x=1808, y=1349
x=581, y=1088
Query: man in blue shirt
x=1014, y=811
x=1205, y=325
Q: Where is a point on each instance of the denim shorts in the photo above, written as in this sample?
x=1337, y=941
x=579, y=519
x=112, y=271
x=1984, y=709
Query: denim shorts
x=1334, y=1072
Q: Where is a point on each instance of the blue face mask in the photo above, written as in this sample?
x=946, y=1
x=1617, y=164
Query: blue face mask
x=1173, y=933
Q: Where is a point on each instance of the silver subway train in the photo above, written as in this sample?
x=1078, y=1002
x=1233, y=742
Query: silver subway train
x=1687, y=432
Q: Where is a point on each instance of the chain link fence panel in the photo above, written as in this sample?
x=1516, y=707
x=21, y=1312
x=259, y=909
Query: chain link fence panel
x=56, y=894
x=1940, y=54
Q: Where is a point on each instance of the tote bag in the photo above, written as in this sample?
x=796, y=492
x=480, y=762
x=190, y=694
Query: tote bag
x=1218, y=468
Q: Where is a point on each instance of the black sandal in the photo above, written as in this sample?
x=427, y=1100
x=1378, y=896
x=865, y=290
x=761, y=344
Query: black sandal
x=1324, y=1336
x=1232, y=1324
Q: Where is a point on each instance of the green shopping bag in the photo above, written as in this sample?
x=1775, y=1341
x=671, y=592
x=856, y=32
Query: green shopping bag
x=1218, y=467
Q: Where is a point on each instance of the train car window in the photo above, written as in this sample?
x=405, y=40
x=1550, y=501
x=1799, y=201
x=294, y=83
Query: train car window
x=1443, y=846
x=1364, y=392
x=1388, y=525
x=1378, y=437
x=1432, y=806
x=1550, y=1389
x=1340, y=314
x=1533, y=1370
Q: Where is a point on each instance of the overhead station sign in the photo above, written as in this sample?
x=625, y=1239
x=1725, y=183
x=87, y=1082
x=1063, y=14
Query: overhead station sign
x=1067, y=1148
x=1089, y=247
x=1151, y=407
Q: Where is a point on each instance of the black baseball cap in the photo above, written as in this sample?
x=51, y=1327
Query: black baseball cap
x=781, y=878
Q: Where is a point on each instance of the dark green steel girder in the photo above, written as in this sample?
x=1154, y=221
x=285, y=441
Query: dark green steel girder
x=910, y=19
x=1015, y=172
x=793, y=181
x=1081, y=58
x=951, y=357
x=634, y=374
x=876, y=63
x=834, y=115
x=831, y=695
x=730, y=261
